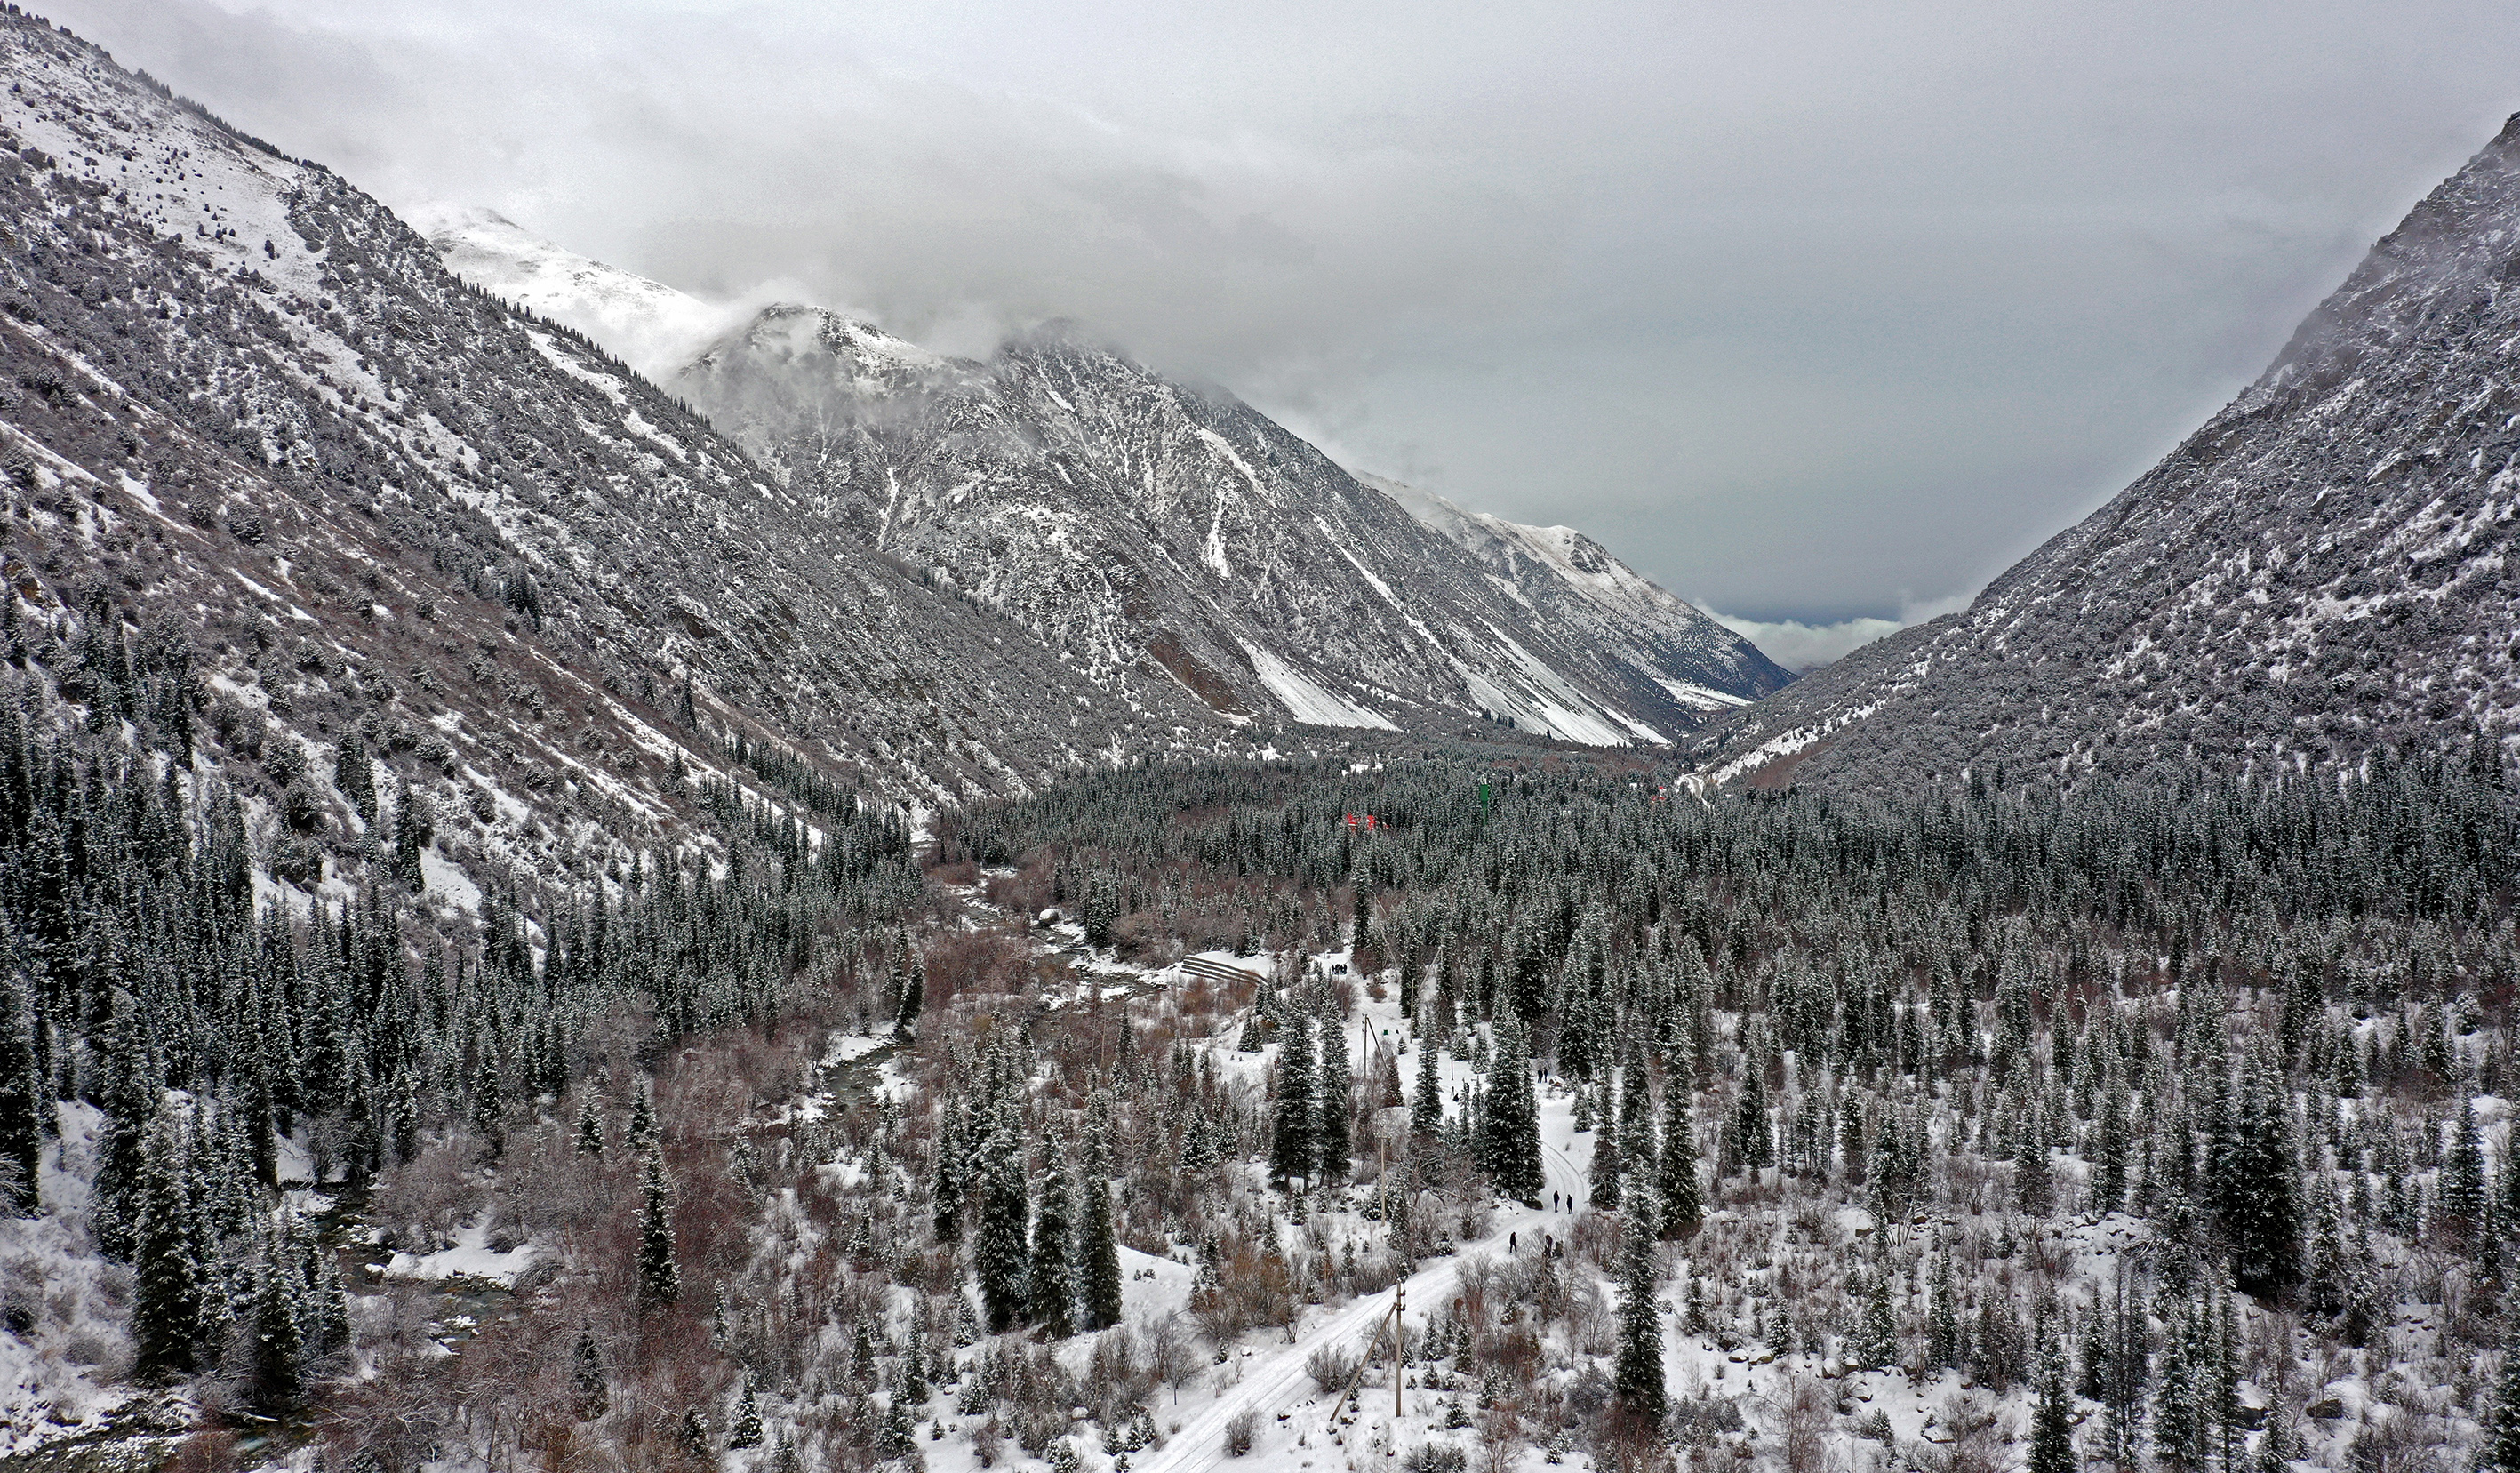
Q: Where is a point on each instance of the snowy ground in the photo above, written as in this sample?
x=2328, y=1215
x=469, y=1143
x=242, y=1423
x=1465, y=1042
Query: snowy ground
x=55, y=1374
x=471, y=1256
x=1265, y=1372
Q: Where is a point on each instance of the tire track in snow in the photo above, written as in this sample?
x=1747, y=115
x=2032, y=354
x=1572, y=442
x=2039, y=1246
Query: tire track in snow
x=1276, y=1380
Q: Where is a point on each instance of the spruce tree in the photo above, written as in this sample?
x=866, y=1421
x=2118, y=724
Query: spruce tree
x=2462, y=1180
x=642, y=1118
x=168, y=1306
x=661, y=1278
x=1638, y=1380
x=946, y=1179
x=131, y=1104
x=1331, y=1144
x=23, y=1097
x=1000, y=1255
x=329, y=1307
x=406, y=1122
x=1638, y=1151
x=355, y=776
x=2262, y=1213
x=1877, y=1337
x=587, y=1381
x=1946, y=1348
x=2501, y=1450
x=1603, y=1175
x=2180, y=1431
x=1513, y=1121
x=2034, y=1188
x=278, y=1331
x=914, y=1370
x=2111, y=1146
x=896, y=1436
x=490, y=1107
x=590, y=1127
x=2118, y=1368
x=1677, y=1188
x=2052, y=1419
x=1097, y=1158
x=1053, y=1253
x=1753, y=1140
x=1291, y=1149
x=745, y=1429
x=415, y=826
x=1100, y=1256
x=914, y=998
x=1426, y=1105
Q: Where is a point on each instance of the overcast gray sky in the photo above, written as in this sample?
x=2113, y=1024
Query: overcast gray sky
x=1814, y=312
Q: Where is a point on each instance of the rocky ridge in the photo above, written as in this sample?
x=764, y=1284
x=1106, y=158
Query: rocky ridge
x=1130, y=521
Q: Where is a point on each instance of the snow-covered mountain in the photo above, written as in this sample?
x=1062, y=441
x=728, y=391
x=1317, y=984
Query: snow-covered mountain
x=1144, y=528
x=243, y=397
x=651, y=326
x=2328, y=565
x=1573, y=582
x=1134, y=521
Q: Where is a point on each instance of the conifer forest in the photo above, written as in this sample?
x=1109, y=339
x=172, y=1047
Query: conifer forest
x=2150, y=1123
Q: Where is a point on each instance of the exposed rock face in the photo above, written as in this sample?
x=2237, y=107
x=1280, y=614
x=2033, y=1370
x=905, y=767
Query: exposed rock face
x=2324, y=566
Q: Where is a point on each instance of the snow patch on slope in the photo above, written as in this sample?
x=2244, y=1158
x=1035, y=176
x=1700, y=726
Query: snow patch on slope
x=1310, y=702
x=1705, y=697
x=1567, y=578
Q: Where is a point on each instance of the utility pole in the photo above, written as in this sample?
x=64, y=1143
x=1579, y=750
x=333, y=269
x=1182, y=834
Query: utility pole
x=1399, y=1293
x=1399, y=1356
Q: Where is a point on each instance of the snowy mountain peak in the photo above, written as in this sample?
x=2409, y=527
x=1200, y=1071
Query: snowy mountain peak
x=1149, y=530
x=652, y=326
x=1141, y=525
x=815, y=344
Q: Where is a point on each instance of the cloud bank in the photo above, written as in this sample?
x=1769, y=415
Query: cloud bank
x=1803, y=648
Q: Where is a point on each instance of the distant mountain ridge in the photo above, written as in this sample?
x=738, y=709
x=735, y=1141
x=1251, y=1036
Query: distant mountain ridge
x=2326, y=566
x=1143, y=529
x=1574, y=580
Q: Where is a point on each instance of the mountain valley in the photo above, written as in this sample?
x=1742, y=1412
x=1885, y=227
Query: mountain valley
x=593, y=882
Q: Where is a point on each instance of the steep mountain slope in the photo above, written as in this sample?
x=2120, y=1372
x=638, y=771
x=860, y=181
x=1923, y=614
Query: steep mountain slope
x=246, y=400
x=1574, y=582
x=2326, y=566
x=1128, y=519
x=1140, y=525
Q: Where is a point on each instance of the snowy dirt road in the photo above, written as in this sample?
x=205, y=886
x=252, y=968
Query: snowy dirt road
x=1271, y=1379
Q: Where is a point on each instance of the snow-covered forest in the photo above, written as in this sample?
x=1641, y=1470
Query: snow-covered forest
x=2157, y=1123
